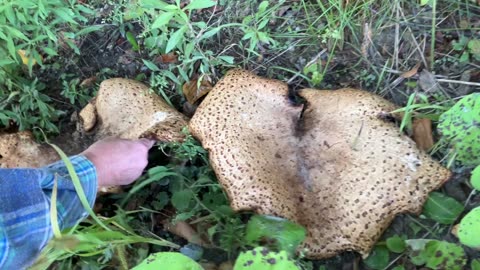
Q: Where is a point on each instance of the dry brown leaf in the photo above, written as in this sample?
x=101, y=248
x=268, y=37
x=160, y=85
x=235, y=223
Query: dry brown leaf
x=412, y=72
x=226, y=266
x=193, y=91
x=128, y=109
x=88, y=82
x=427, y=81
x=168, y=58
x=422, y=133
x=208, y=266
x=338, y=170
x=184, y=230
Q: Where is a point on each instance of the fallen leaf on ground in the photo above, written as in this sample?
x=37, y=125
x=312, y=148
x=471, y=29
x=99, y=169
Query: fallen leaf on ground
x=88, y=82
x=193, y=91
x=427, y=81
x=187, y=232
x=26, y=58
x=412, y=72
x=422, y=133
x=208, y=266
x=167, y=58
x=226, y=266
x=334, y=168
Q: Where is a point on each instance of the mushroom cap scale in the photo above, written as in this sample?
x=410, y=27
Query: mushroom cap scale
x=340, y=170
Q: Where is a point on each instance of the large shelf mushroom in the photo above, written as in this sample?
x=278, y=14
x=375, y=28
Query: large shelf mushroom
x=337, y=168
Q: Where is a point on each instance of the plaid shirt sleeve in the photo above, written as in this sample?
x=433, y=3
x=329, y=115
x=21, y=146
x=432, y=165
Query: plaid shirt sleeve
x=25, y=193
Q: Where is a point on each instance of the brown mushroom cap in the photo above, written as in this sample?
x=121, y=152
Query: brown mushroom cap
x=19, y=150
x=340, y=170
x=127, y=109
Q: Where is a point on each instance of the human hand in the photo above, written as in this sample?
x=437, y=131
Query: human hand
x=118, y=161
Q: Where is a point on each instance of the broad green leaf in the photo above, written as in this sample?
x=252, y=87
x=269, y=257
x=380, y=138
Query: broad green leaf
x=200, y=4
x=262, y=24
x=475, y=178
x=89, y=29
x=150, y=65
x=10, y=14
x=213, y=200
x=15, y=33
x=378, y=258
x=474, y=46
x=131, y=39
x=85, y=9
x=399, y=267
x=396, y=244
x=459, y=129
x=464, y=58
x=261, y=258
x=469, y=229
x=226, y=58
x=161, y=200
x=262, y=7
x=440, y=255
x=210, y=33
x=66, y=15
x=11, y=48
x=175, y=38
x=424, y=2
x=173, y=8
x=50, y=51
x=263, y=37
x=162, y=20
x=475, y=265
x=286, y=234
x=152, y=4
x=73, y=46
x=181, y=199
x=168, y=260
x=4, y=62
x=442, y=208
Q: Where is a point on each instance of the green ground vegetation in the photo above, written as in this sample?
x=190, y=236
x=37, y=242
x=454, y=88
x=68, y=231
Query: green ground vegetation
x=423, y=55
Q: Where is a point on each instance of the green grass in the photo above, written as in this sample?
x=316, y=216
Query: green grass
x=316, y=43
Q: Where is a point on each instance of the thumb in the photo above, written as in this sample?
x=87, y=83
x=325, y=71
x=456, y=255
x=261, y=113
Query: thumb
x=148, y=143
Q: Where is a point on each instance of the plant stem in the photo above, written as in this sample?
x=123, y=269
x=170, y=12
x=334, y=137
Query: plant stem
x=434, y=26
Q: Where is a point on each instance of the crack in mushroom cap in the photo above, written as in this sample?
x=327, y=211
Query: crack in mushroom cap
x=19, y=150
x=128, y=109
x=340, y=170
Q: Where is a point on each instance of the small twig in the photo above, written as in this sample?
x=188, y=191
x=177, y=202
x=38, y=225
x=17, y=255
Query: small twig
x=458, y=82
x=394, y=261
x=397, y=36
x=432, y=38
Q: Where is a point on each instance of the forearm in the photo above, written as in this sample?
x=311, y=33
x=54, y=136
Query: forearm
x=25, y=207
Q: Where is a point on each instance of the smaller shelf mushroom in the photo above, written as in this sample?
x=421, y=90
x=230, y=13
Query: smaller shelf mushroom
x=128, y=109
x=332, y=164
x=19, y=150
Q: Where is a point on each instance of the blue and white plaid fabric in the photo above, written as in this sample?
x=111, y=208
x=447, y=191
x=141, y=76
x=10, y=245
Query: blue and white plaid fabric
x=25, y=193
